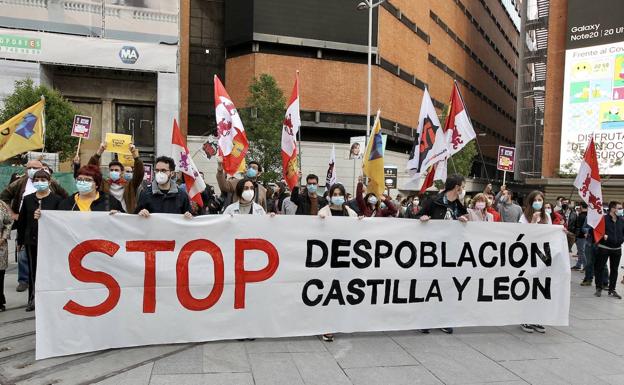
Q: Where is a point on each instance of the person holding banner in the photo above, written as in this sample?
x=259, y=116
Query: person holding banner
x=371, y=206
x=5, y=233
x=228, y=186
x=610, y=249
x=164, y=196
x=337, y=204
x=90, y=196
x=478, y=212
x=245, y=190
x=27, y=228
x=534, y=211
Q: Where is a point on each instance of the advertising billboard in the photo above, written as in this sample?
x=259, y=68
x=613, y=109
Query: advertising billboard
x=593, y=99
x=154, y=21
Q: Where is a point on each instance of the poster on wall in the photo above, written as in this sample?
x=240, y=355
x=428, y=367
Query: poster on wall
x=593, y=100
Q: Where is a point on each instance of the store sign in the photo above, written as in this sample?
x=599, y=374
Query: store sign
x=20, y=45
x=593, y=99
x=129, y=55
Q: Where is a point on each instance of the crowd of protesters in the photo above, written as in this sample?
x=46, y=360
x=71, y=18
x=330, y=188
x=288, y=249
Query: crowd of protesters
x=125, y=191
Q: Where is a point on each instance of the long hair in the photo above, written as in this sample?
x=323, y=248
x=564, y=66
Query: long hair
x=528, y=208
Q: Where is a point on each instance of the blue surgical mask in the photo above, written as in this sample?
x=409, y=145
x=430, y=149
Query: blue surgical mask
x=620, y=213
x=337, y=201
x=372, y=200
x=114, y=175
x=128, y=176
x=84, y=187
x=382, y=205
x=312, y=188
x=41, y=185
x=31, y=172
x=252, y=172
x=537, y=205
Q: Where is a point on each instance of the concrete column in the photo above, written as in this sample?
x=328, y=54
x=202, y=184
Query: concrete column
x=167, y=108
x=183, y=63
x=108, y=124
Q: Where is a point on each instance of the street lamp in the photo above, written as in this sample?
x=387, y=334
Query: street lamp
x=362, y=5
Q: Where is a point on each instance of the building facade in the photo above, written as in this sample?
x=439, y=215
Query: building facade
x=116, y=60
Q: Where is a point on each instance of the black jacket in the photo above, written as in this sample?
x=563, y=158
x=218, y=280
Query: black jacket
x=303, y=201
x=105, y=202
x=438, y=206
x=153, y=200
x=614, y=231
x=577, y=227
x=27, y=228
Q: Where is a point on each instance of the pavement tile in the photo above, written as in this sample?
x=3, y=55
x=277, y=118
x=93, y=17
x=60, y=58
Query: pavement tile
x=397, y=375
x=225, y=357
x=594, y=360
x=553, y=372
x=203, y=379
x=137, y=376
x=274, y=369
x=319, y=369
x=418, y=340
x=285, y=345
x=615, y=379
x=461, y=364
x=503, y=347
x=358, y=351
x=188, y=361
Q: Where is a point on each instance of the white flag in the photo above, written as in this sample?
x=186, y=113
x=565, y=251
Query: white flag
x=331, y=169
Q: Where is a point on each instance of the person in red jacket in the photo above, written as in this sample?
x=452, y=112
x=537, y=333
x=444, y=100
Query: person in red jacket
x=372, y=206
x=490, y=207
x=555, y=217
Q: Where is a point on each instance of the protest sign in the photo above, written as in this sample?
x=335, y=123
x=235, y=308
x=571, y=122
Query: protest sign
x=132, y=281
x=81, y=127
x=119, y=143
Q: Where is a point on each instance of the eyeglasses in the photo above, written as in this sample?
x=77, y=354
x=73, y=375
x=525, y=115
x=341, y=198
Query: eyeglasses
x=84, y=179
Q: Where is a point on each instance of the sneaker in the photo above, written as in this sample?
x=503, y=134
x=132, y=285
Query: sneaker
x=328, y=337
x=22, y=286
x=538, y=328
x=527, y=328
x=575, y=268
x=598, y=293
x=447, y=330
x=424, y=331
x=614, y=294
x=586, y=283
x=30, y=307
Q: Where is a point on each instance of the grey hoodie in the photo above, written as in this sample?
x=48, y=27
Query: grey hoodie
x=509, y=211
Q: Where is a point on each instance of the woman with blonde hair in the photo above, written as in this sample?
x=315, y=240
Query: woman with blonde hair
x=478, y=209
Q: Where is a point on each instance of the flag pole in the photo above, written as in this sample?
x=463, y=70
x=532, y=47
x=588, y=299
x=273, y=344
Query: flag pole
x=487, y=176
x=43, y=123
x=299, y=129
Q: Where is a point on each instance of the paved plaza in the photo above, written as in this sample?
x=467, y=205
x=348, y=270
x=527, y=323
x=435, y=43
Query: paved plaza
x=589, y=351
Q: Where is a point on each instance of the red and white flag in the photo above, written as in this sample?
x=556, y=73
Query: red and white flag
x=588, y=184
x=331, y=177
x=458, y=127
x=290, y=128
x=232, y=142
x=194, y=182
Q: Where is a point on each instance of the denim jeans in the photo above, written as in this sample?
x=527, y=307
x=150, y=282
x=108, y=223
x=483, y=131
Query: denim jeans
x=22, y=266
x=580, y=251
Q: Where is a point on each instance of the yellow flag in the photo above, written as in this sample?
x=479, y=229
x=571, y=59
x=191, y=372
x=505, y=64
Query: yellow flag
x=23, y=132
x=242, y=167
x=373, y=165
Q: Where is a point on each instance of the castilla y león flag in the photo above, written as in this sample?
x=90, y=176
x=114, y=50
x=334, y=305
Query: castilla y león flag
x=233, y=144
x=290, y=127
x=458, y=127
x=195, y=184
x=588, y=184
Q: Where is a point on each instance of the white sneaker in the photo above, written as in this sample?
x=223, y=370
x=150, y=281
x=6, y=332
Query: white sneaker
x=527, y=328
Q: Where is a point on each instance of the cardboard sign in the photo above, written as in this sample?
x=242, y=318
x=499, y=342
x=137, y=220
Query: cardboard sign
x=119, y=143
x=506, y=158
x=149, y=172
x=82, y=126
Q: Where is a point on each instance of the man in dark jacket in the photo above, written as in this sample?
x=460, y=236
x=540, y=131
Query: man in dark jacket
x=308, y=202
x=610, y=249
x=164, y=195
x=446, y=205
x=576, y=228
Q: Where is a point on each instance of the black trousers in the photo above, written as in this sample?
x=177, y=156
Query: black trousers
x=604, y=255
x=2, y=299
x=31, y=253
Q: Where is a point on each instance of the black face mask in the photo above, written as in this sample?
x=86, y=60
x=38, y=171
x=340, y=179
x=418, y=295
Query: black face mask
x=564, y=207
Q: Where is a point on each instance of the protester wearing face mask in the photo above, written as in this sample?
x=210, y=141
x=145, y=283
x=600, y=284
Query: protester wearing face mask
x=534, y=211
x=371, y=206
x=13, y=196
x=509, y=211
x=164, y=196
x=90, y=196
x=228, y=186
x=555, y=217
x=27, y=229
x=308, y=201
x=610, y=249
x=337, y=204
x=245, y=190
x=478, y=212
x=490, y=207
x=6, y=222
x=447, y=204
x=413, y=208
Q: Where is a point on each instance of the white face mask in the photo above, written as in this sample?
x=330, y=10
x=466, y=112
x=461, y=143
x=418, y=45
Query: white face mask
x=462, y=195
x=480, y=205
x=247, y=195
x=161, y=178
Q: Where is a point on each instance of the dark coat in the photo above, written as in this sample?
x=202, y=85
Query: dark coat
x=153, y=200
x=28, y=226
x=437, y=207
x=303, y=201
x=365, y=210
x=105, y=202
x=614, y=230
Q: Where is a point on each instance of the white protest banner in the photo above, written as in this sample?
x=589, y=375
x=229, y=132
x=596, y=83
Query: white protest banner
x=107, y=281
